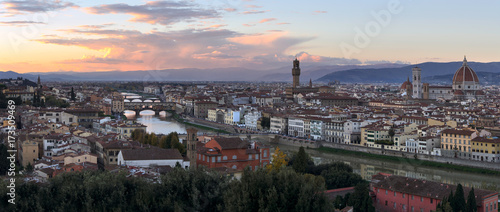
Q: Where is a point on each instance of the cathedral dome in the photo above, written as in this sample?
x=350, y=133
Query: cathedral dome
x=465, y=74
x=406, y=83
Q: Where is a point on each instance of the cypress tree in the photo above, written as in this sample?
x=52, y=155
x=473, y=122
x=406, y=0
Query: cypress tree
x=300, y=162
x=459, y=199
x=471, y=201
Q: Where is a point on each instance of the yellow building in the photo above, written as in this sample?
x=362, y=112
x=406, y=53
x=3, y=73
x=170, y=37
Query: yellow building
x=457, y=142
x=486, y=149
x=28, y=152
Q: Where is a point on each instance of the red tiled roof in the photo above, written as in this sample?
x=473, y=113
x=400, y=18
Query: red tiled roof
x=465, y=74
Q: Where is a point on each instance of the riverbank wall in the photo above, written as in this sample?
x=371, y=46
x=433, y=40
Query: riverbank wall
x=432, y=158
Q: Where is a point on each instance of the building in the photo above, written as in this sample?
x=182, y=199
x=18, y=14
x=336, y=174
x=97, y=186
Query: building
x=296, y=88
x=296, y=127
x=191, y=145
x=117, y=104
x=251, y=119
x=296, y=73
x=28, y=152
x=457, y=142
x=201, y=108
x=465, y=85
x=486, y=149
x=233, y=153
x=398, y=193
x=151, y=157
x=279, y=123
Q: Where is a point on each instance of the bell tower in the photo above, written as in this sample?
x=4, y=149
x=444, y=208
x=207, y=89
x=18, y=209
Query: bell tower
x=417, y=83
x=191, y=145
x=296, y=73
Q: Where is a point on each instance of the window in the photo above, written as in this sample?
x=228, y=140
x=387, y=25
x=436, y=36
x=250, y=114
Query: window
x=421, y=199
x=256, y=156
x=234, y=157
x=250, y=157
x=394, y=205
x=394, y=193
x=265, y=153
x=199, y=157
x=386, y=192
x=386, y=202
x=234, y=167
x=431, y=201
x=224, y=158
x=111, y=160
x=213, y=159
x=412, y=197
x=403, y=195
x=218, y=158
x=412, y=209
x=203, y=157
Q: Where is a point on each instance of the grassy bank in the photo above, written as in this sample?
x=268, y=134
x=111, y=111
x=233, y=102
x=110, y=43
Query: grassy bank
x=411, y=161
x=181, y=120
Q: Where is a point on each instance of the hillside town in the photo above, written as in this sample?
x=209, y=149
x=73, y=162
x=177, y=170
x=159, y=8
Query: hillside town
x=71, y=127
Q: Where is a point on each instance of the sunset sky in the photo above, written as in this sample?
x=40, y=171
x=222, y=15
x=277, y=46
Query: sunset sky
x=81, y=35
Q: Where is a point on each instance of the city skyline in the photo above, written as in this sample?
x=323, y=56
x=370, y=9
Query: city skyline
x=52, y=36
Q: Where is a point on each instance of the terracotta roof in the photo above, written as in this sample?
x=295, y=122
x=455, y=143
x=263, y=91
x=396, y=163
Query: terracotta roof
x=465, y=74
x=424, y=188
x=151, y=154
x=457, y=132
x=231, y=143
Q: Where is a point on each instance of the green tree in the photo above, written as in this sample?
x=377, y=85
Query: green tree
x=471, y=202
x=4, y=163
x=29, y=168
x=391, y=133
x=277, y=191
x=360, y=200
x=458, y=203
x=300, y=161
x=340, y=179
x=73, y=95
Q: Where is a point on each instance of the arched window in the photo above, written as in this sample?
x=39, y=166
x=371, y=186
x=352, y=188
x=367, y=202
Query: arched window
x=234, y=167
x=234, y=157
x=224, y=158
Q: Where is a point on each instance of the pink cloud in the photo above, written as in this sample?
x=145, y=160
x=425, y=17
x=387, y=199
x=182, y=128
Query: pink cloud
x=267, y=20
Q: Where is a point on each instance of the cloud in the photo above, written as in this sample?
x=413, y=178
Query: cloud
x=157, y=12
x=229, y=9
x=119, y=49
x=267, y=20
x=320, y=11
x=20, y=23
x=252, y=6
x=251, y=12
x=249, y=25
x=34, y=6
x=282, y=23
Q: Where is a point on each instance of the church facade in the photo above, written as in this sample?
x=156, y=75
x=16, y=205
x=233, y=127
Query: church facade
x=465, y=86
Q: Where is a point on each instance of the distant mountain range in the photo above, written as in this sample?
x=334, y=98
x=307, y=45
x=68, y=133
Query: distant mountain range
x=224, y=74
x=436, y=73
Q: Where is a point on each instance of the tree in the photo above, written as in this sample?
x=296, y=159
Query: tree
x=4, y=163
x=265, y=123
x=277, y=191
x=300, y=161
x=360, y=199
x=458, y=203
x=29, y=168
x=471, y=202
x=391, y=133
x=279, y=160
x=73, y=96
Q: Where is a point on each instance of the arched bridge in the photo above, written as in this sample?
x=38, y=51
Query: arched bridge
x=155, y=105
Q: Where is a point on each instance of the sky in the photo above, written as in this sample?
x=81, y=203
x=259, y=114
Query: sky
x=87, y=36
